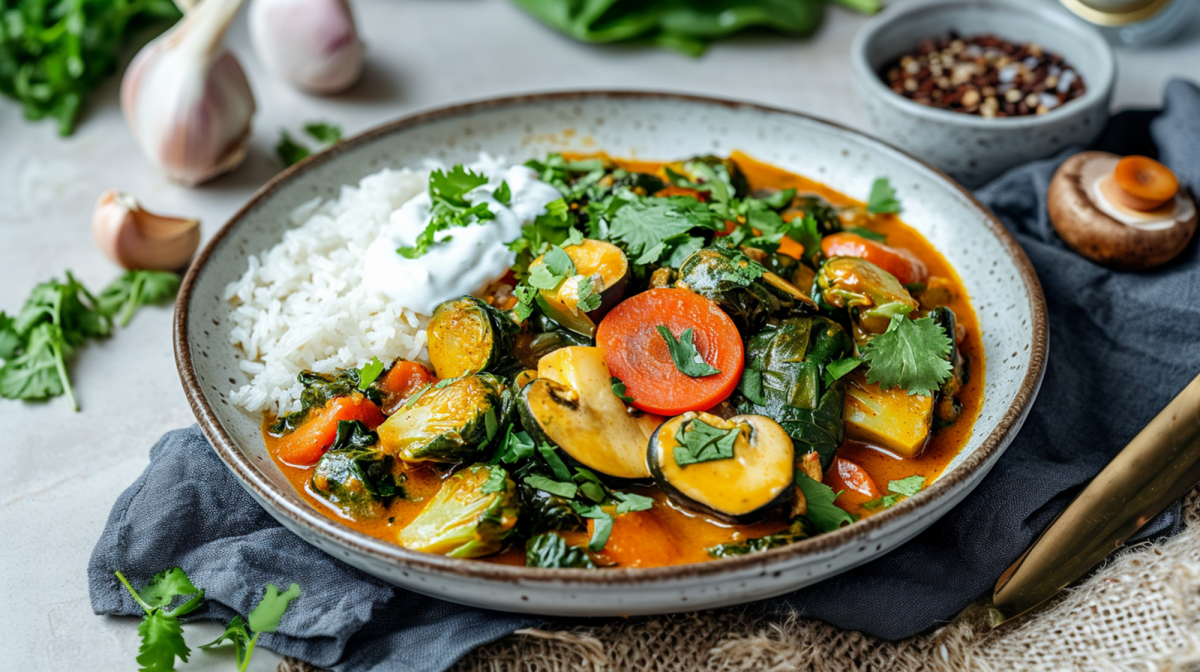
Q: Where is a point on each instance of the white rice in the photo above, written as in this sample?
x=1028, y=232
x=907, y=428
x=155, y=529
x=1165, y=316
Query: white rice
x=302, y=305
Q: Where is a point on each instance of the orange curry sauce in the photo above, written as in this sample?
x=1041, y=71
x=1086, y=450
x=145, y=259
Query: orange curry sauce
x=667, y=535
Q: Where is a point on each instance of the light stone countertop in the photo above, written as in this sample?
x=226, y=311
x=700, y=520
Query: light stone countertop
x=61, y=471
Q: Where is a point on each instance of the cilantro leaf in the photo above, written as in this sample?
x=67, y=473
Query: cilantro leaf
x=591, y=486
x=39, y=372
x=266, y=616
x=588, y=297
x=516, y=446
x=882, y=198
x=838, y=368
x=448, y=191
x=632, y=502
x=557, y=466
x=162, y=642
x=806, y=232
x=503, y=194
x=369, y=372
x=907, y=486
x=684, y=354
x=134, y=289
x=601, y=528
x=495, y=481
x=289, y=151
x=822, y=512
x=560, y=488
x=867, y=233
x=642, y=225
x=554, y=267
x=618, y=388
x=164, y=587
x=238, y=634
x=911, y=354
x=882, y=502
x=323, y=131
x=701, y=442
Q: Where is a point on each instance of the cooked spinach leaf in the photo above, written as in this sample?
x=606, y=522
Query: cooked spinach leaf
x=550, y=551
x=701, y=442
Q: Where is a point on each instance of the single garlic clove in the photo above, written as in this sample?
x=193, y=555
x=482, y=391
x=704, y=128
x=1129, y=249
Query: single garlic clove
x=311, y=43
x=186, y=98
x=142, y=240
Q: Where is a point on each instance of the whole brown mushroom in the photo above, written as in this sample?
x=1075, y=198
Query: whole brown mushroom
x=1109, y=231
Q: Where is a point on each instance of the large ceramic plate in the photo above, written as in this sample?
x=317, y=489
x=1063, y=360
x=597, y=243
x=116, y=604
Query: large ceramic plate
x=998, y=276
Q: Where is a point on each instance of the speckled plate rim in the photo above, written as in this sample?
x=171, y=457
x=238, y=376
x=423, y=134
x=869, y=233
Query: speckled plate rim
x=379, y=550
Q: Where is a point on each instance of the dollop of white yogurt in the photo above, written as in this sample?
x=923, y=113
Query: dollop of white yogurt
x=466, y=259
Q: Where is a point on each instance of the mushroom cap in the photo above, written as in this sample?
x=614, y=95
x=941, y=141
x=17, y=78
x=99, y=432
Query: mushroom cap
x=1094, y=234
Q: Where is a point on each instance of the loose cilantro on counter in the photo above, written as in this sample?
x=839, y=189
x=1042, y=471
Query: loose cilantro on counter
x=290, y=151
x=911, y=354
x=264, y=618
x=135, y=289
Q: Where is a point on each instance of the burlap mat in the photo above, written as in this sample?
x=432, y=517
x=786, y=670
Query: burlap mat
x=1141, y=610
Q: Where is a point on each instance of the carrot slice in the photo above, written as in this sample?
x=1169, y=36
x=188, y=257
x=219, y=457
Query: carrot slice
x=306, y=445
x=639, y=539
x=858, y=485
x=637, y=353
x=895, y=260
x=401, y=382
x=1145, y=183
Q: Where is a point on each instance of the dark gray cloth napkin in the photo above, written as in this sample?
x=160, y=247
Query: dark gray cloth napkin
x=1122, y=345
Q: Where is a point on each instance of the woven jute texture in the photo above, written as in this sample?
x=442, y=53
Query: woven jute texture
x=1139, y=611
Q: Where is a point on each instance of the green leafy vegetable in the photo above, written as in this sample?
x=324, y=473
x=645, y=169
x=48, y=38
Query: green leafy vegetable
x=448, y=190
x=805, y=231
x=799, y=529
x=882, y=198
x=685, y=355
x=601, y=529
x=369, y=372
x=557, y=466
x=684, y=27
x=911, y=354
x=555, y=267
x=319, y=388
x=867, y=233
x=562, y=489
x=905, y=487
x=701, y=442
x=838, y=368
x=515, y=447
x=632, y=502
x=591, y=486
x=822, y=512
x=161, y=633
x=134, y=289
x=52, y=54
x=550, y=551
x=588, y=297
x=618, y=389
x=645, y=227
x=495, y=481
x=503, y=194
x=291, y=151
x=265, y=618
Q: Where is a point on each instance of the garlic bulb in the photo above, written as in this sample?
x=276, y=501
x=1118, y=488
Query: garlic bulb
x=137, y=239
x=311, y=43
x=186, y=98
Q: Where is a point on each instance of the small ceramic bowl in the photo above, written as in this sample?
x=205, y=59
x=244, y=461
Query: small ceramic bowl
x=974, y=149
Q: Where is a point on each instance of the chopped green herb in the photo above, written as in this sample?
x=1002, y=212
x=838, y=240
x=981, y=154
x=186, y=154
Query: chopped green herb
x=911, y=354
x=323, y=131
x=882, y=198
x=618, y=389
x=289, y=151
x=907, y=486
x=838, y=368
x=684, y=354
x=557, y=466
x=160, y=630
x=822, y=512
x=495, y=481
x=701, y=442
x=448, y=190
x=560, y=488
x=134, y=289
x=867, y=233
x=554, y=267
x=265, y=618
x=601, y=529
x=632, y=502
x=515, y=446
x=799, y=529
x=806, y=232
x=591, y=486
x=644, y=226
x=369, y=372
x=588, y=297
x=503, y=194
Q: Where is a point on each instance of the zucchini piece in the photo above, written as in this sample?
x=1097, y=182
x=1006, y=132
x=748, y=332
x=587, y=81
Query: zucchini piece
x=890, y=419
x=745, y=488
x=608, y=268
x=571, y=405
x=468, y=336
x=465, y=519
x=450, y=422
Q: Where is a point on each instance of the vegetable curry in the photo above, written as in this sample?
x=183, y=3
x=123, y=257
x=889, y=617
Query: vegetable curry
x=688, y=361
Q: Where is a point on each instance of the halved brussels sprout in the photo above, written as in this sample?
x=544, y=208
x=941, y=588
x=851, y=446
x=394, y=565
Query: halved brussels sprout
x=871, y=294
x=721, y=274
x=355, y=474
x=471, y=516
x=468, y=336
x=891, y=419
x=601, y=264
x=572, y=406
x=449, y=422
x=785, y=380
x=739, y=470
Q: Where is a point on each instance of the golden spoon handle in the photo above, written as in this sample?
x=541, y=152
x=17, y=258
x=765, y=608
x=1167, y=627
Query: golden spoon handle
x=1158, y=466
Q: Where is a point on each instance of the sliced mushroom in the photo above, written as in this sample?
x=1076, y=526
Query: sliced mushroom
x=1091, y=212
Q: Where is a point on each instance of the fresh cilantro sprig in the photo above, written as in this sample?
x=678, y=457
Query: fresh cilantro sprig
x=134, y=289
x=882, y=198
x=699, y=441
x=911, y=354
x=588, y=296
x=291, y=151
x=451, y=208
x=684, y=354
x=822, y=512
x=555, y=267
x=646, y=227
x=264, y=618
x=160, y=630
x=905, y=487
x=369, y=373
